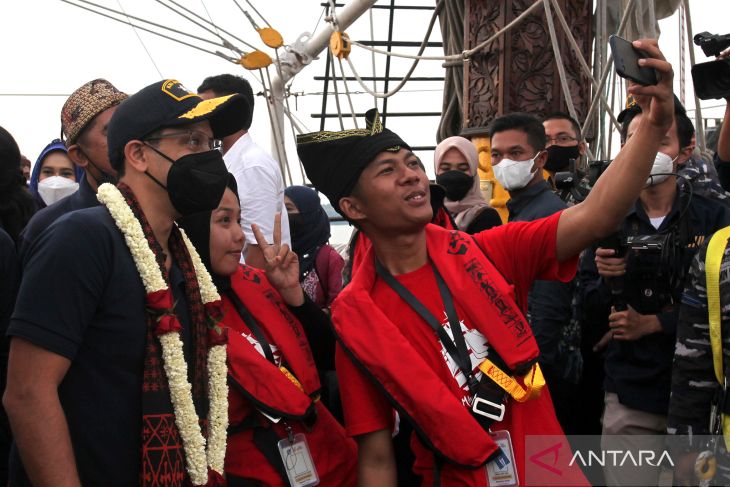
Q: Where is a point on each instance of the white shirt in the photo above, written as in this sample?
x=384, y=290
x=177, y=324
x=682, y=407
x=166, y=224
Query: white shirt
x=260, y=188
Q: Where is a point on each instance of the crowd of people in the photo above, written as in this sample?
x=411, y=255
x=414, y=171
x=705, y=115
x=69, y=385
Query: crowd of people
x=173, y=315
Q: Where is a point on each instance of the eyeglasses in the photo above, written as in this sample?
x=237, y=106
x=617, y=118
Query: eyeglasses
x=561, y=140
x=197, y=141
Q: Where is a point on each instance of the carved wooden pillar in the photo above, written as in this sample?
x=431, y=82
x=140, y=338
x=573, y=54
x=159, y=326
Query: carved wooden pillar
x=518, y=71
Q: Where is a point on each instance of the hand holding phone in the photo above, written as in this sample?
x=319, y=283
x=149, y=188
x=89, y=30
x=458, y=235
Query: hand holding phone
x=626, y=59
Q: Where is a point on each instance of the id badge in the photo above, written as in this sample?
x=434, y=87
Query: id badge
x=298, y=462
x=502, y=471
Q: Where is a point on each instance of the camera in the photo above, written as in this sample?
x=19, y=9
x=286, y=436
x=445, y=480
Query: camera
x=575, y=184
x=712, y=79
x=655, y=263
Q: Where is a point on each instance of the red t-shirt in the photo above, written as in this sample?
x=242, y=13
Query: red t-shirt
x=522, y=252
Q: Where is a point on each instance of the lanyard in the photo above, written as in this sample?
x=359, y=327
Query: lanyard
x=456, y=348
x=252, y=324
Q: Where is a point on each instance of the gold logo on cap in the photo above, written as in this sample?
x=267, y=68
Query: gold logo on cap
x=176, y=90
x=205, y=107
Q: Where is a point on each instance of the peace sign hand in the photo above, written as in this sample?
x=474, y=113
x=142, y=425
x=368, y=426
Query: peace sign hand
x=282, y=264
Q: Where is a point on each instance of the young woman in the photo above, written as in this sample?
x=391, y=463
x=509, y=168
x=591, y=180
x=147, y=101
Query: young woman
x=54, y=176
x=320, y=266
x=455, y=163
x=274, y=391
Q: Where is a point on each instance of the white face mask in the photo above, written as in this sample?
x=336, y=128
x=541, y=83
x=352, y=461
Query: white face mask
x=663, y=164
x=514, y=175
x=55, y=188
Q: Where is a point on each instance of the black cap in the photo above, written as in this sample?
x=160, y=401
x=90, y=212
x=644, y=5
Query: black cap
x=168, y=103
x=334, y=161
x=632, y=107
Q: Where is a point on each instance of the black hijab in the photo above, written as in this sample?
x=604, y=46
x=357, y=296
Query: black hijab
x=197, y=228
x=310, y=228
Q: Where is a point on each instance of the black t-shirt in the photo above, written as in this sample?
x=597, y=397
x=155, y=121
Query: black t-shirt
x=82, y=298
x=85, y=197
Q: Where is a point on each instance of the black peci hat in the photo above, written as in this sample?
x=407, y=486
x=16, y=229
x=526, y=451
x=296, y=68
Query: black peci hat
x=168, y=103
x=334, y=161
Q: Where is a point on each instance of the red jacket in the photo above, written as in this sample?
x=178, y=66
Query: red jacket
x=257, y=384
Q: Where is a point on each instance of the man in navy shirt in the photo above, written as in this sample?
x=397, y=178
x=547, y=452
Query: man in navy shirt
x=84, y=359
x=643, y=310
x=84, y=120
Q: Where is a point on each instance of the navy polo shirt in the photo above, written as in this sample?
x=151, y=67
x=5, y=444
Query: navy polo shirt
x=85, y=197
x=82, y=298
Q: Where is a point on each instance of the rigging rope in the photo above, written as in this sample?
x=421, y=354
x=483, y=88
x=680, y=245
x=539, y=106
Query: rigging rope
x=405, y=79
x=214, y=53
x=257, y=13
x=581, y=60
x=372, y=57
x=464, y=56
x=699, y=124
x=149, y=55
x=250, y=46
x=337, y=91
x=607, y=68
x=561, y=67
x=347, y=92
x=451, y=21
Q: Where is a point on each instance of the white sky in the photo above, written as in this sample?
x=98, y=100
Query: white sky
x=50, y=48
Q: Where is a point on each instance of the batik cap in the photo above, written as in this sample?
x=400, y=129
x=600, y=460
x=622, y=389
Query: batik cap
x=168, y=103
x=334, y=161
x=84, y=104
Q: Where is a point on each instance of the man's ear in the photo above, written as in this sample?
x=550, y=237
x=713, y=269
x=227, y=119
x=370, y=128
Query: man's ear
x=352, y=208
x=684, y=154
x=135, y=155
x=77, y=156
x=541, y=159
x=582, y=147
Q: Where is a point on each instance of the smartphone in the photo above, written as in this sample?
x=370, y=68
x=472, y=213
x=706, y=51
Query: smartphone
x=626, y=59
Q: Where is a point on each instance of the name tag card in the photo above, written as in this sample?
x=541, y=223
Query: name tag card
x=298, y=461
x=502, y=472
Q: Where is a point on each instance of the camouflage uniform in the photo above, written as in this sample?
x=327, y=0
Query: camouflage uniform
x=701, y=172
x=693, y=377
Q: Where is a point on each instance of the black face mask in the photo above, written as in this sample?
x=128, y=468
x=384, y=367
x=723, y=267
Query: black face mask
x=196, y=182
x=297, y=225
x=559, y=157
x=456, y=184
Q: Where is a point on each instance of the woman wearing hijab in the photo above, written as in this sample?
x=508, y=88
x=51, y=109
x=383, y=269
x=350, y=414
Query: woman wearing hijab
x=274, y=386
x=320, y=266
x=54, y=175
x=16, y=203
x=455, y=164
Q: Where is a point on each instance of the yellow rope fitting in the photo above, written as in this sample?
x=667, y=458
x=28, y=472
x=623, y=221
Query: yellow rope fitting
x=255, y=60
x=340, y=44
x=271, y=37
x=530, y=388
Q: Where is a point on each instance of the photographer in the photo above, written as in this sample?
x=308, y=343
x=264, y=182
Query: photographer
x=639, y=295
x=564, y=142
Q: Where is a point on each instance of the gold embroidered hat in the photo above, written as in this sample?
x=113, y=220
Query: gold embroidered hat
x=168, y=103
x=334, y=161
x=84, y=104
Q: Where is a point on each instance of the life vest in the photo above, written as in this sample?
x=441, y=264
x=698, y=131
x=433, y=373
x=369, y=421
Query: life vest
x=444, y=425
x=292, y=396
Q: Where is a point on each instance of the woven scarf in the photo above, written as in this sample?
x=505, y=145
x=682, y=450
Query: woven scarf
x=163, y=457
